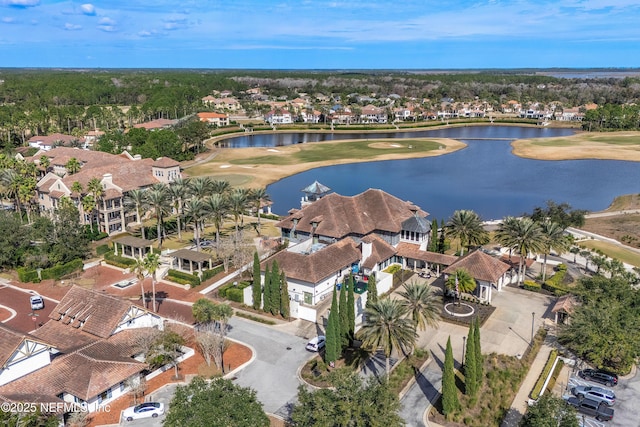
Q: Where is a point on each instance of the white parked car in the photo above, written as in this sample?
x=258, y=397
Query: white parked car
x=144, y=410
x=37, y=303
x=316, y=343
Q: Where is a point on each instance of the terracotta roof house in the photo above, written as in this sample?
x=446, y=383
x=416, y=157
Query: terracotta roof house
x=218, y=119
x=334, y=235
x=118, y=175
x=47, y=142
x=156, y=124
x=487, y=270
x=90, y=356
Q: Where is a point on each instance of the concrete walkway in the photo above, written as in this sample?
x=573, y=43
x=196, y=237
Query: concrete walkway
x=521, y=401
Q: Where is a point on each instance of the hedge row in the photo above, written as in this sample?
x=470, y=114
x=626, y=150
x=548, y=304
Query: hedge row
x=208, y=274
x=102, y=249
x=530, y=285
x=535, y=393
x=225, y=291
x=118, y=261
x=56, y=272
x=555, y=375
x=183, y=278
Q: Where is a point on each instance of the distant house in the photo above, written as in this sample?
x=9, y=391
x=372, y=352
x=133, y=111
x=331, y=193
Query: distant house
x=310, y=116
x=278, y=117
x=373, y=114
x=47, y=142
x=218, y=119
x=156, y=124
x=85, y=354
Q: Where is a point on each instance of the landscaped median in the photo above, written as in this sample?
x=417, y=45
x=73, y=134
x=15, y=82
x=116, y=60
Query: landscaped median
x=548, y=376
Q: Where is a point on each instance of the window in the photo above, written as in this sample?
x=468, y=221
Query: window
x=104, y=396
x=308, y=298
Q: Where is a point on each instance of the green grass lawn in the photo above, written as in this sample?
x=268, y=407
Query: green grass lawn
x=345, y=150
x=613, y=251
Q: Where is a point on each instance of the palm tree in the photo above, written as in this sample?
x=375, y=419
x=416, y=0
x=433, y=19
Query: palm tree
x=201, y=186
x=220, y=187
x=158, y=199
x=217, y=209
x=45, y=162
x=465, y=281
x=76, y=187
x=88, y=206
x=575, y=250
x=73, y=166
x=237, y=204
x=11, y=180
x=178, y=190
x=387, y=326
x=94, y=186
x=257, y=196
x=151, y=264
x=195, y=211
x=554, y=239
x=523, y=235
x=139, y=270
x=420, y=301
x=136, y=199
x=467, y=226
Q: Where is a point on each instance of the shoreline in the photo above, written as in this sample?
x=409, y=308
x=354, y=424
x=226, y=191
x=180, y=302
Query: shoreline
x=219, y=163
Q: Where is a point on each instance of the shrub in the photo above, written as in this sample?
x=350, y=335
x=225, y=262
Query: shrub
x=254, y=318
x=223, y=291
x=537, y=389
x=27, y=275
x=235, y=294
x=55, y=272
x=208, y=274
x=183, y=278
x=554, y=375
x=102, y=249
x=118, y=261
x=530, y=285
x=392, y=269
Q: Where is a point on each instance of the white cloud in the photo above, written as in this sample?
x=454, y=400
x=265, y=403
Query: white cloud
x=21, y=3
x=107, y=24
x=88, y=9
x=8, y=20
x=106, y=21
x=72, y=27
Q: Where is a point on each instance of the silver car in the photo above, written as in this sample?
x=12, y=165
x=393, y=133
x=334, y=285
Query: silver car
x=599, y=394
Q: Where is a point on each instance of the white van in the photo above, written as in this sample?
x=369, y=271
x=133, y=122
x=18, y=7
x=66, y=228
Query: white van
x=37, y=303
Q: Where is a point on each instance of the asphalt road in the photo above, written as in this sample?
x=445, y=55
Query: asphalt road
x=273, y=374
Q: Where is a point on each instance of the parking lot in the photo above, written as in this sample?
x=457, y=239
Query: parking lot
x=627, y=397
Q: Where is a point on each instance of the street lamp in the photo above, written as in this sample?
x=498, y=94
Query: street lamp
x=533, y=319
x=464, y=344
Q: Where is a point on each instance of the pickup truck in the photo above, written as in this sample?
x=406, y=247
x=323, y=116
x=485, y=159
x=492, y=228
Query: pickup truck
x=601, y=412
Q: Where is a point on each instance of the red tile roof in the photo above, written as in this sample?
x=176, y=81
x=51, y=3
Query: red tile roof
x=410, y=250
x=318, y=265
x=480, y=265
x=362, y=214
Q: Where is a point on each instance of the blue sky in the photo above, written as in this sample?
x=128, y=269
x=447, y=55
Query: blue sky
x=310, y=34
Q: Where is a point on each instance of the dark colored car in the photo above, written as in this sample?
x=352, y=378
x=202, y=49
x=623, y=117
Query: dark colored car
x=599, y=411
x=599, y=376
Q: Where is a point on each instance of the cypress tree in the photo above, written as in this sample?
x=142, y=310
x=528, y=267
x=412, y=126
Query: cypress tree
x=433, y=241
x=450, y=402
x=256, y=287
x=351, y=309
x=478, y=350
x=441, y=239
x=266, y=304
x=284, y=296
x=372, y=291
x=332, y=340
x=470, y=371
x=275, y=288
x=344, y=317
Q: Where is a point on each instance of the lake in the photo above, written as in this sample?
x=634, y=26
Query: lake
x=484, y=177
